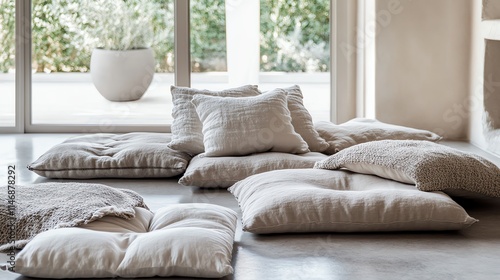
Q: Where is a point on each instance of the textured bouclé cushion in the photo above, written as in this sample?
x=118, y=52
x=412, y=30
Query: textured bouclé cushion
x=361, y=130
x=223, y=172
x=186, y=126
x=428, y=165
x=190, y=240
x=103, y=155
x=237, y=126
x=315, y=200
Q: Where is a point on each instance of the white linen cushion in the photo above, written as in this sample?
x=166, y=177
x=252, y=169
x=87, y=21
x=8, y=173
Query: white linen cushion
x=223, y=172
x=190, y=240
x=105, y=155
x=315, y=200
x=246, y=125
x=428, y=165
x=302, y=120
x=361, y=130
x=186, y=127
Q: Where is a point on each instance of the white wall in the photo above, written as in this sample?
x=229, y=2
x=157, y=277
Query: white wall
x=476, y=77
x=422, y=64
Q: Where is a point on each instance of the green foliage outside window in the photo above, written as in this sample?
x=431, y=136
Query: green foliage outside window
x=294, y=34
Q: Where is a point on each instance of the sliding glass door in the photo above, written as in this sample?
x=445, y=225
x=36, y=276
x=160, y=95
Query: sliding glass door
x=7, y=64
x=65, y=34
x=269, y=43
x=217, y=44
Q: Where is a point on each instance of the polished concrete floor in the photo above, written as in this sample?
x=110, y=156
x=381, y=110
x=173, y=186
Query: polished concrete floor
x=473, y=253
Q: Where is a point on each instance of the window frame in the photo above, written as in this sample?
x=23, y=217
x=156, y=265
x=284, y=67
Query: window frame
x=342, y=75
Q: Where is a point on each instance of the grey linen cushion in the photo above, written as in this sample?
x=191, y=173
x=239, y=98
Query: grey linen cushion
x=246, y=125
x=302, y=120
x=315, y=200
x=223, y=172
x=428, y=165
x=186, y=126
x=361, y=130
x=104, y=155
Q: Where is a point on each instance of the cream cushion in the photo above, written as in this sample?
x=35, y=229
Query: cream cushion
x=190, y=240
x=223, y=172
x=302, y=120
x=246, y=125
x=361, y=130
x=105, y=155
x=315, y=200
x=186, y=127
x=428, y=165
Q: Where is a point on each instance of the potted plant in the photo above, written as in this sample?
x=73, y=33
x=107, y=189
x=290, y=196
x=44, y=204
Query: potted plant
x=122, y=63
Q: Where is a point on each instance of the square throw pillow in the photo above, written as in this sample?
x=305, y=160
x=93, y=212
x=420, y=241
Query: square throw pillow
x=302, y=120
x=223, y=172
x=246, y=125
x=186, y=126
x=428, y=165
x=361, y=130
x=315, y=200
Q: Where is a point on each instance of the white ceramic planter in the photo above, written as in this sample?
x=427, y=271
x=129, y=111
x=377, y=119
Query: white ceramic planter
x=122, y=75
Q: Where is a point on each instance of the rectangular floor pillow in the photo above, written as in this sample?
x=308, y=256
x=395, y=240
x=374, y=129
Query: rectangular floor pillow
x=105, y=155
x=223, y=172
x=315, y=200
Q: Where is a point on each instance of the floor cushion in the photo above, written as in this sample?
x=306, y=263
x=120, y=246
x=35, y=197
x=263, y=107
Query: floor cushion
x=315, y=200
x=191, y=240
x=223, y=172
x=104, y=155
x=361, y=130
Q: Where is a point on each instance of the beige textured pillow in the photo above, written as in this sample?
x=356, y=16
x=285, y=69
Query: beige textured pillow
x=246, y=125
x=186, y=126
x=223, y=172
x=105, y=155
x=361, y=130
x=315, y=200
x=428, y=165
x=302, y=120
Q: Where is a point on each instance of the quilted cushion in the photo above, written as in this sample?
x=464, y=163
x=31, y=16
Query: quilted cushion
x=191, y=240
x=103, y=155
x=315, y=200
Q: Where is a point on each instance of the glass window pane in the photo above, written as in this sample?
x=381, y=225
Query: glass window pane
x=269, y=43
x=124, y=83
x=7, y=64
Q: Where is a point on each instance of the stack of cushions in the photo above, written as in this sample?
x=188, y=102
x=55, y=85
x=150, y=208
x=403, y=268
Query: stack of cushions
x=190, y=240
x=186, y=127
x=217, y=139
x=239, y=132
